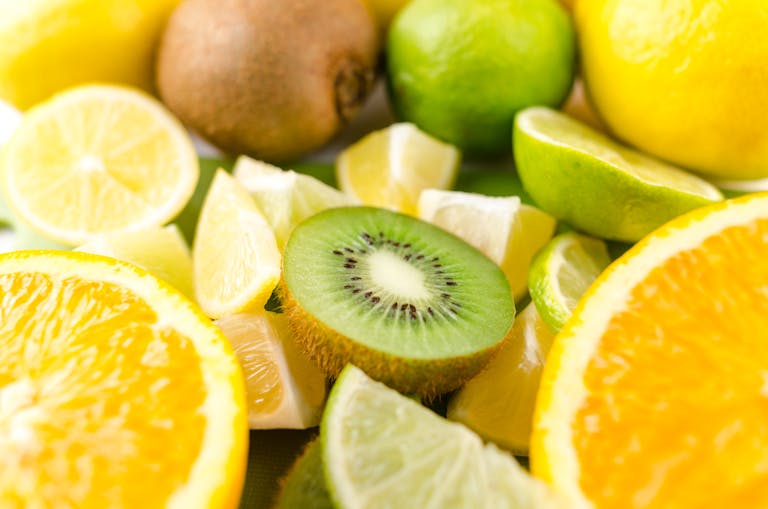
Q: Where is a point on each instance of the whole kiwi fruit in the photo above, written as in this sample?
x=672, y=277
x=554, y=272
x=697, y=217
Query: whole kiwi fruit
x=274, y=79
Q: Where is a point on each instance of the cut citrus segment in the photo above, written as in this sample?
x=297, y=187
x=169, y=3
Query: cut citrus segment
x=498, y=403
x=285, y=197
x=389, y=168
x=382, y=449
x=562, y=272
x=654, y=393
x=598, y=186
x=97, y=159
x=116, y=390
x=503, y=228
x=235, y=259
x=283, y=388
x=159, y=250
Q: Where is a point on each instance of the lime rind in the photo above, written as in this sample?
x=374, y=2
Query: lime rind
x=562, y=272
x=599, y=187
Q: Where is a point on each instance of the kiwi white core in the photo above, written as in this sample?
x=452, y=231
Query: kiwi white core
x=396, y=276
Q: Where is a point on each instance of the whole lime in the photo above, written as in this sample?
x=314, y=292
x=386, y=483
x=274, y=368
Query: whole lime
x=461, y=69
x=685, y=80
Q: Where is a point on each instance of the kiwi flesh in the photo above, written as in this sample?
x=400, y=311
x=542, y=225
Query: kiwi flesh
x=412, y=305
x=304, y=485
x=274, y=79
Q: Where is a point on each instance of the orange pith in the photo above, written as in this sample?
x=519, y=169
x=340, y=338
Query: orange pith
x=92, y=376
x=676, y=405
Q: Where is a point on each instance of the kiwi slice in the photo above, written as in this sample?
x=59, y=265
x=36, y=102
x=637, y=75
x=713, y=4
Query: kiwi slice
x=409, y=303
x=304, y=485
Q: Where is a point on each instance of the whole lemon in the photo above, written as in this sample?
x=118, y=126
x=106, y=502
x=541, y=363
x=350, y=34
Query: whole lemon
x=461, y=69
x=49, y=45
x=686, y=80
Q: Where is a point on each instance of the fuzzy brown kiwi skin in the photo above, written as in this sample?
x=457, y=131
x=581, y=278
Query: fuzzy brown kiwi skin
x=332, y=351
x=272, y=79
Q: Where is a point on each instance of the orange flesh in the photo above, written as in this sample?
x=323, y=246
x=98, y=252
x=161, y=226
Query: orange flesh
x=688, y=421
x=90, y=413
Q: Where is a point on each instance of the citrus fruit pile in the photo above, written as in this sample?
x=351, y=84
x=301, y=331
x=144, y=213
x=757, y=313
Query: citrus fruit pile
x=484, y=292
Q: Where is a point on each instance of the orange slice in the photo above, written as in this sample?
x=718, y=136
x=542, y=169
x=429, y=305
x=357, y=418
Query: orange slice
x=115, y=390
x=655, y=393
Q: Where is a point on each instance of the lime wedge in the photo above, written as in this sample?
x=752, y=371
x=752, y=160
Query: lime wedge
x=383, y=450
x=561, y=273
x=597, y=185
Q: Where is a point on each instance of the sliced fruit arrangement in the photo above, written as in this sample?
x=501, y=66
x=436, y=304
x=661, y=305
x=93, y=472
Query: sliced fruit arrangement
x=562, y=272
x=657, y=384
x=283, y=388
x=113, y=160
x=235, y=258
x=389, y=168
x=597, y=185
x=304, y=485
x=411, y=304
x=382, y=449
x=506, y=230
x=285, y=197
x=498, y=402
x=116, y=391
x=161, y=251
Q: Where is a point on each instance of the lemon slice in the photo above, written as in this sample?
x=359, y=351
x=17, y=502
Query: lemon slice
x=389, y=168
x=562, y=272
x=97, y=159
x=235, y=259
x=116, y=390
x=285, y=197
x=159, y=250
x=506, y=230
x=283, y=388
x=598, y=186
x=381, y=449
x=498, y=403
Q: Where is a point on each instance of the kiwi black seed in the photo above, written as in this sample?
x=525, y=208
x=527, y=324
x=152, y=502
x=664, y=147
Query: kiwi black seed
x=274, y=79
x=304, y=485
x=409, y=303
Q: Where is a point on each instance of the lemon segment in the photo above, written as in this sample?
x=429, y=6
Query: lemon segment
x=97, y=159
x=235, y=258
x=498, y=402
x=283, y=388
x=285, y=197
x=504, y=229
x=159, y=250
x=389, y=168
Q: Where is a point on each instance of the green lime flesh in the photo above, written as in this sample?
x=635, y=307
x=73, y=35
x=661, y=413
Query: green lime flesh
x=561, y=272
x=597, y=185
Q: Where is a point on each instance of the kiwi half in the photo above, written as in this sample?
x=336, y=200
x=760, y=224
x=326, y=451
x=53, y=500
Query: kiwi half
x=409, y=303
x=304, y=485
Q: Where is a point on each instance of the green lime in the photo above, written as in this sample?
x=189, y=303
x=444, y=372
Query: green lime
x=461, y=69
x=304, y=486
x=598, y=186
x=384, y=450
x=561, y=272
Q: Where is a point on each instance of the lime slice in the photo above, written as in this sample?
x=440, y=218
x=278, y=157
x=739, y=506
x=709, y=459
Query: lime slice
x=161, y=251
x=598, y=186
x=384, y=450
x=389, y=168
x=562, y=272
x=285, y=197
x=498, y=403
x=235, y=259
x=503, y=228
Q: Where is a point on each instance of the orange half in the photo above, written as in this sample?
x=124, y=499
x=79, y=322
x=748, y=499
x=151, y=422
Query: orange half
x=655, y=393
x=115, y=390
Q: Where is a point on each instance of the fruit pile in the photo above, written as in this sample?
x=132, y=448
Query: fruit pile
x=532, y=277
